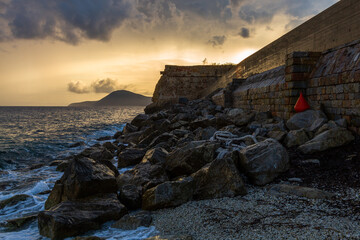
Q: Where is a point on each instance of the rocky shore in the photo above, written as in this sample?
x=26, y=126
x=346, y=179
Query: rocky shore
x=199, y=171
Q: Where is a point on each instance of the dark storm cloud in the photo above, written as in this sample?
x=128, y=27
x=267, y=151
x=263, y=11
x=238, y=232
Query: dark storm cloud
x=67, y=21
x=107, y=85
x=217, y=41
x=244, y=32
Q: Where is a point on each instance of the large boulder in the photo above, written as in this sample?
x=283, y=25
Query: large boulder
x=130, y=157
x=218, y=179
x=144, y=175
x=304, y=119
x=71, y=218
x=130, y=196
x=155, y=156
x=139, y=120
x=129, y=128
x=240, y=117
x=84, y=177
x=133, y=221
x=296, y=138
x=169, y=194
x=264, y=161
x=190, y=158
x=335, y=137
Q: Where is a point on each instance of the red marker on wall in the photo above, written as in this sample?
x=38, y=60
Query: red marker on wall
x=301, y=104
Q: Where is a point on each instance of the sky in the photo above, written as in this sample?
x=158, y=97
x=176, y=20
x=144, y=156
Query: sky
x=55, y=52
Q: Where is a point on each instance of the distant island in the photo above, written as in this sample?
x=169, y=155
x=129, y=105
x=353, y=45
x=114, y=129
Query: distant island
x=116, y=98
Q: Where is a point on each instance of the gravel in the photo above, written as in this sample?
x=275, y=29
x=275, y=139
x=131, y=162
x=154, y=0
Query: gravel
x=264, y=215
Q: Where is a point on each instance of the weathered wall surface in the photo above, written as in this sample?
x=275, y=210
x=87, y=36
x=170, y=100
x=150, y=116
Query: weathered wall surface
x=335, y=26
x=187, y=81
x=335, y=83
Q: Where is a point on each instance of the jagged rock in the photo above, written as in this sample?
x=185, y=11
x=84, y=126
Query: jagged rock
x=222, y=120
x=171, y=237
x=130, y=157
x=18, y=223
x=190, y=158
x=312, y=193
x=139, y=120
x=71, y=218
x=14, y=200
x=110, y=146
x=335, y=137
x=144, y=175
x=264, y=161
x=101, y=154
x=277, y=135
x=117, y=135
x=168, y=194
x=133, y=221
x=84, y=177
x=327, y=126
x=155, y=156
x=129, y=128
x=179, y=124
x=62, y=166
x=296, y=138
x=203, y=122
x=239, y=117
x=318, y=123
x=180, y=132
x=204, y=133
x=130, y=196
x=341, y=122
x=56, y=162
x=220, y=178
x=162, y=138
x=304, y=119
x=148, y=136
x=134, y=137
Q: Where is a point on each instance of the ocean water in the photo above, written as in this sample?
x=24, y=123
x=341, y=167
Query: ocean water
x=31, y=138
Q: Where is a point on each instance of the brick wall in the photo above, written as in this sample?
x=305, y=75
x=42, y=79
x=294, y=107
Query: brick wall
x=335, y=26
x=187, y=81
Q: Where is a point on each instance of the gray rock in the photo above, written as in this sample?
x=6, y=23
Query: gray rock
x=277, y=135
x=332, y=138
x=84, y=177
x=18, y=223
x=218, y=179
x=129, y=128
x=62, y=166
x=304, y=119
x=190, y=158
x=155, y=156
x=204, y=133
x=296, y=138
x=327, y=126
x=168, y=194
x=101, y=154
x=341, y=122
x=264, y=161
x=311, y=161
x=139, y=120
x=71, y=218
x=311, y=193
x=130, y=157
x=240, y=117
x=165, y=137
x=130, y=196
x=133, y=221
x=14, y=200
x=318, y=123
x=110, y=147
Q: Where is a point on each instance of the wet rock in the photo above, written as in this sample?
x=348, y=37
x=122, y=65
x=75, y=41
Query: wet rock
x=218, y=179
x=311, y=193
x=71, y=218
x=77, y=144
x=18, y=223
x=332, y=138
x=168, y=194
x=133, y=221
x=190, y=158
x=14, y=200
x=101, y=154
x=117, y=135
x=84, y=177
x=130, y=196
x=89, y=238
x=105, y=138
x=56, y=162
x=264, y=161
x=129, y=128
x=110, y=147
x=130, y=157
x=144, y=175
x=277, y=135
x=155, y=156
x=296, y=138
x=139, y=120
x=134, y=137
x=304, y=119
x=171, y=237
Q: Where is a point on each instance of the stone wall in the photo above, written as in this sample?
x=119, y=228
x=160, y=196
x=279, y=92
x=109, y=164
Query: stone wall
x=335, y=26
x=335, y=84
x=187, y=81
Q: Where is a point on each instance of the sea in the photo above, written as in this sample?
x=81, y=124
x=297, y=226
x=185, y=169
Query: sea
x=31, y=138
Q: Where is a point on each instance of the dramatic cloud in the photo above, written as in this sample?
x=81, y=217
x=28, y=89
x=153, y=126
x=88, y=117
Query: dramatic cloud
x=72, y=21
x=100, y=86
x=217, y=41
x=244, y=32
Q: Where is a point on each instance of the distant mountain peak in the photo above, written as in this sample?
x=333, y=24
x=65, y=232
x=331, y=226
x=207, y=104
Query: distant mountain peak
x=117, y=98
